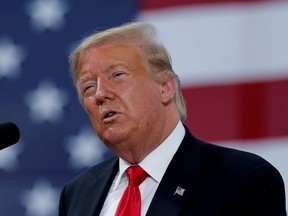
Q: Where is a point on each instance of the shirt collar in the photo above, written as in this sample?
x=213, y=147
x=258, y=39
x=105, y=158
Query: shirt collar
x=161, y=156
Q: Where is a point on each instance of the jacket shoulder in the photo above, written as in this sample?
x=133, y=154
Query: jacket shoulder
x=93, y=174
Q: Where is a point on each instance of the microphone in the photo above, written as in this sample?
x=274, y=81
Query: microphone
x=9, y=134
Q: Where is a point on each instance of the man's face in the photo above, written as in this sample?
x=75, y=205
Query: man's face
x=122, y=100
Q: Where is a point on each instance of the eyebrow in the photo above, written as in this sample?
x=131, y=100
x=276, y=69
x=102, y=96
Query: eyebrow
x=115, y=65
x=106, y=69
x=84, y=79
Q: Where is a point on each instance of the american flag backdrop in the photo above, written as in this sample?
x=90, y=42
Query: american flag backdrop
x=231, y=56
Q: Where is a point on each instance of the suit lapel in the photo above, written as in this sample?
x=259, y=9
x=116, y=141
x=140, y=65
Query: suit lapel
x=182, y=174
x=98, y=190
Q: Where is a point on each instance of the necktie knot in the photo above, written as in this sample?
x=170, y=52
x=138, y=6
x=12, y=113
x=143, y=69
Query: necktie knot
x=130, y=203
x=136, y=175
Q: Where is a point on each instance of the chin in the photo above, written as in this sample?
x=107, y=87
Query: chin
x=114, y=138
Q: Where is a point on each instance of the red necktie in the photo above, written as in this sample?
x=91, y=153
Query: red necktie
x=130, y=203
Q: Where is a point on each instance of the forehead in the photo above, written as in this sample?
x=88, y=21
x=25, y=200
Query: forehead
x=101, y=56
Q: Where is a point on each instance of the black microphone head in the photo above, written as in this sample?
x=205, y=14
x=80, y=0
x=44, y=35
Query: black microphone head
x=9, y=134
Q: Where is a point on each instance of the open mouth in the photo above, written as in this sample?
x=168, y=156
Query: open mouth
x=109, y=114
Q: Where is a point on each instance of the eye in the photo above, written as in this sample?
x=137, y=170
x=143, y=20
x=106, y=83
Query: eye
x=118, y=74
x=88, y=89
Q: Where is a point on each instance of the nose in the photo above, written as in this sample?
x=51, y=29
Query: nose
x=103, y=91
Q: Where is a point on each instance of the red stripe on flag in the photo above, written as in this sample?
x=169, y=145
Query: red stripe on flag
x=238, y=111
x=159, y=4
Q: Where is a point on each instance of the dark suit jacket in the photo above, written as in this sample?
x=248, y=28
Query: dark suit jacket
x=217, y=181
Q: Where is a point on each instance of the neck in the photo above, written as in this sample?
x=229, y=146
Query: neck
x=137, y=153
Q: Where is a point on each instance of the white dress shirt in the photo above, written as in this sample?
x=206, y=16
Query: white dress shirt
x=155, y=164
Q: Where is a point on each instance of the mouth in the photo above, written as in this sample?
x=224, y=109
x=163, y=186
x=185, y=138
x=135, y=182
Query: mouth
x=108, y=115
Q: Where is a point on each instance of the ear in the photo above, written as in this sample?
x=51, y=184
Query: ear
x=168, y=88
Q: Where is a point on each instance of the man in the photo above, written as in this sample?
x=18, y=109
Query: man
x=126, y=84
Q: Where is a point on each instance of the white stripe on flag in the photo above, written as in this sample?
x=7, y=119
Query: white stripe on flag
x=225, y=42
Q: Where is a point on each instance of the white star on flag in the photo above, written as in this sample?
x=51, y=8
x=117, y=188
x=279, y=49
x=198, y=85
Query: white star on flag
x=46, y=103
x=47, y=14
x=85, y=149
x=11, y=56
x=41, y=200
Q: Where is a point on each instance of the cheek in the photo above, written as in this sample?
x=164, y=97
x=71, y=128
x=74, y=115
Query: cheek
x=91, y=109
x=143, y=101
x=87, y=106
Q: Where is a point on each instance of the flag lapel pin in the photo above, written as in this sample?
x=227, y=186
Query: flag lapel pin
x=179, y=191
